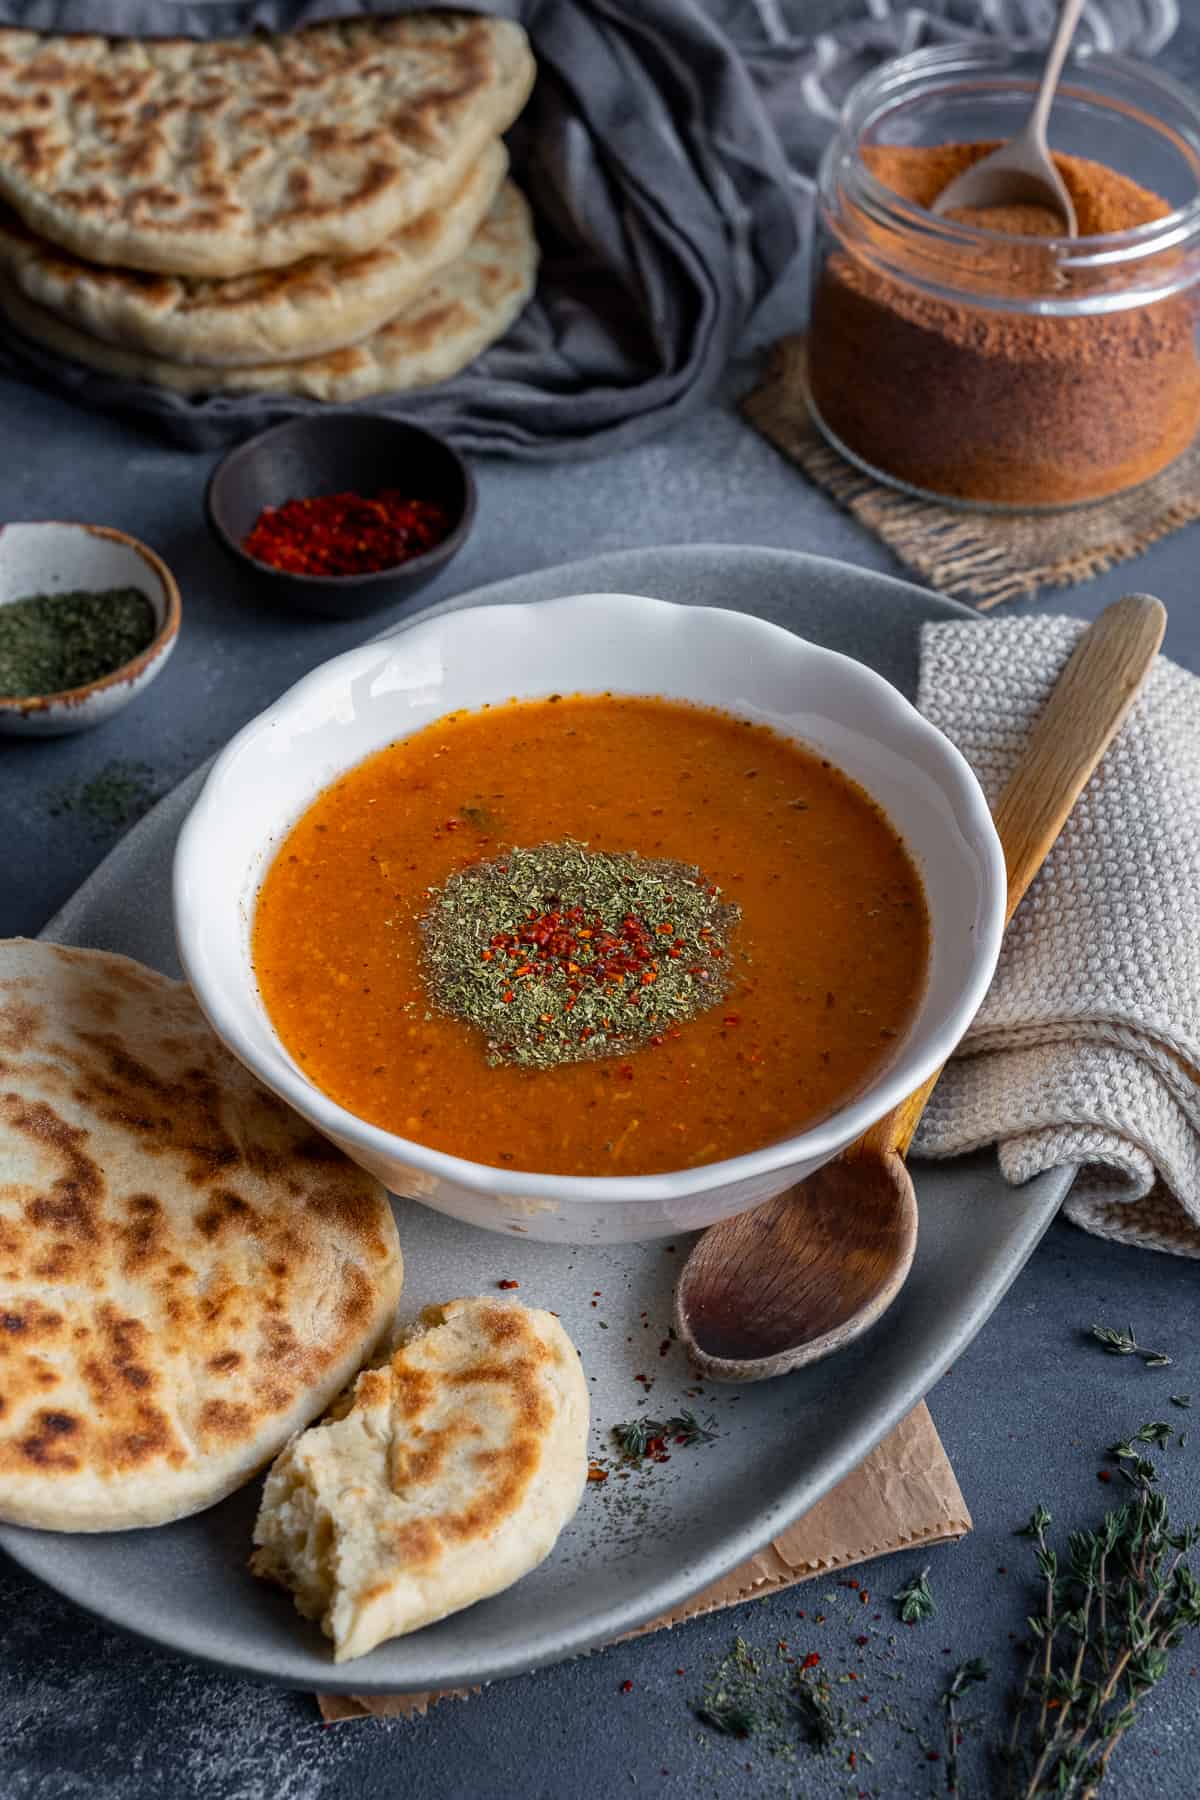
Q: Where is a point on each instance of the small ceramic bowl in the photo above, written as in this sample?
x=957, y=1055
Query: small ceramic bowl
x=54, y=557
x=333, y=454
x=621, y=643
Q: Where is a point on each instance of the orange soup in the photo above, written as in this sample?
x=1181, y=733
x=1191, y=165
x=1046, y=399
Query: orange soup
x=825, y=960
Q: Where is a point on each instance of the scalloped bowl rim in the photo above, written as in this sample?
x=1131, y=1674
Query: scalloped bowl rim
x=922, y=1053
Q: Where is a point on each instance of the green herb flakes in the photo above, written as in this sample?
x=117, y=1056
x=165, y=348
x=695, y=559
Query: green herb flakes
x=915, y=1599
x=1124, y=1343
x=117, y=794
x=642, y=1437
x=50, y=643
x=562, y=954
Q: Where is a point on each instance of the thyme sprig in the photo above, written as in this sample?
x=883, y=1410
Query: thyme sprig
x=637, y=1438
x=915, y=1598
x=967, y=1675
x=1102, y=1634
x=1124, y=1343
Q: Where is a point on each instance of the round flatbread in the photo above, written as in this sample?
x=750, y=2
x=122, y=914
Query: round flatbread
x=188, y=1272
x=445, y=1477
x=221, y=156
x=274, y=315
x=468, y=306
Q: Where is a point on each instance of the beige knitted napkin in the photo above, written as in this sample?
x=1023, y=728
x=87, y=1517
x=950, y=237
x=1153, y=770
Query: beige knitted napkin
x=981, y=557
x=1087, y=1049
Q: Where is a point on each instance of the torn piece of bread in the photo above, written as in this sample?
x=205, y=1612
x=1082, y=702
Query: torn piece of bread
x=448, y=1477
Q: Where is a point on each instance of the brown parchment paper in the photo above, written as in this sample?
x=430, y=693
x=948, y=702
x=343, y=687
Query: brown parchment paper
x=904, y=1494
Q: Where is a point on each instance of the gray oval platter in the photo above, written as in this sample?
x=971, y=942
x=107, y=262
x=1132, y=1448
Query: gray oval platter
x=640, y=1544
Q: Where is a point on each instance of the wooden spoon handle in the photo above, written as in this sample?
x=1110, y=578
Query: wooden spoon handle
x=1087, y=707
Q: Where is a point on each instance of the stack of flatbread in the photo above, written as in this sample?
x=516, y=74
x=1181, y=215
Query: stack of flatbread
x=325, y=214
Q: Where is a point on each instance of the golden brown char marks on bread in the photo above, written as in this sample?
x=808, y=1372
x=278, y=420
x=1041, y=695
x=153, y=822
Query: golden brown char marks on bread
x=187, y=1271
x=223, y=156
x=468, y=305
x=449, y=1476
x=307, y=309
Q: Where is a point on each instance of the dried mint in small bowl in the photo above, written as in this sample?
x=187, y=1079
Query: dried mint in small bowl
x=50, y=643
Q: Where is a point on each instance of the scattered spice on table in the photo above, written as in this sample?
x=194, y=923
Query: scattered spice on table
x=347, y=533
x=117, y=794
x=1110, y=1609
x=562, y=954
x=50, y=643
x=781, y=1700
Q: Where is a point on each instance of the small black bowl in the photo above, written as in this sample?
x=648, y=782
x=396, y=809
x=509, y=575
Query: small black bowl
x=335, y=453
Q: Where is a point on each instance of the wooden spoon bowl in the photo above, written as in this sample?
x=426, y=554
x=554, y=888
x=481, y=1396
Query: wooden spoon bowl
x=812, y=1284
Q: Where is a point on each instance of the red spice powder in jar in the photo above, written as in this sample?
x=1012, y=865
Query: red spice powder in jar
x=987, y=405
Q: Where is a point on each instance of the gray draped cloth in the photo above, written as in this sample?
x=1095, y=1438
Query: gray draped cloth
x=666, y=150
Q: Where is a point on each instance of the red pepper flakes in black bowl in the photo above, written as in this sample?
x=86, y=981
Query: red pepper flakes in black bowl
x=342, y=513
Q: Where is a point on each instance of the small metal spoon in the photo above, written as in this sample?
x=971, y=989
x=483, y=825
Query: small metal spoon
x=800, y=1277
x=1022, y=171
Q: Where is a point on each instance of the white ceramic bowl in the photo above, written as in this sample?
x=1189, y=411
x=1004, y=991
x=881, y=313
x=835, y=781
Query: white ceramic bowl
x=369, y=697
x=54, y=556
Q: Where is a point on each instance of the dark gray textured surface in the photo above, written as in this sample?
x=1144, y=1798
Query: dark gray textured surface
x=1024, y=1414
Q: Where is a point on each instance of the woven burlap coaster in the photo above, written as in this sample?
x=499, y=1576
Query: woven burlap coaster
x=981, y=557
x=903, y=1496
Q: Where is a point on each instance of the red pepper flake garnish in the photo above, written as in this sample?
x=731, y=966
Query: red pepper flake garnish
x=596, y=1473
x=627, y=1687
x=811, y=1660
x=1104, y=1475
x=346, y=534
x=508, y=1284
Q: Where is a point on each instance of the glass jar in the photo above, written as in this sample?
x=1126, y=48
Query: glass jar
x=999, y=368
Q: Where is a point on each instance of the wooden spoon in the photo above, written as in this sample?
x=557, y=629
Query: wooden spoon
x=802, y=1276
x=1022, y=172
